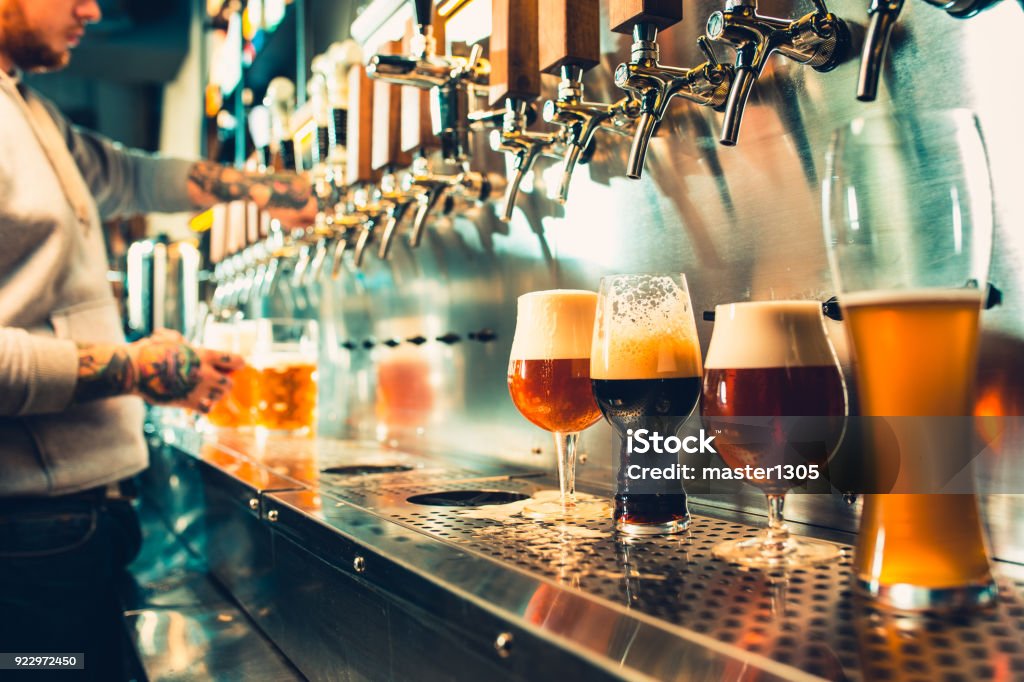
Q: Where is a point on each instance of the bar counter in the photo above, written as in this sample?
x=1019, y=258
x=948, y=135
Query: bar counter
x=318, y=542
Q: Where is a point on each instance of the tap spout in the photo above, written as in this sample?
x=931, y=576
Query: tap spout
x=743, y=83
x=883, y=15
x=638, y=150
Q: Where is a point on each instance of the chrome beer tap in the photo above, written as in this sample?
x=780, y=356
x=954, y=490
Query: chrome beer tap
x=433, y=187
x=819, y=39
x=400, y=196
x=524, y=146
x=451, y=80
x=374, y=211
x=582, y=119
x=655, y=84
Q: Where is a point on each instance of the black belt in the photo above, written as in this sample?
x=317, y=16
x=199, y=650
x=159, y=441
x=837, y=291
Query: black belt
x=121, y=491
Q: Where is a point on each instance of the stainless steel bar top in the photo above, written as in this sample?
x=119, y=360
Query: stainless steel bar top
x=419, y=533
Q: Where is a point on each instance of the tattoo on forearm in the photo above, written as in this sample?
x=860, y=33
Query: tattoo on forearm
x=167, y=372
x=224, y=183
x=103, y=371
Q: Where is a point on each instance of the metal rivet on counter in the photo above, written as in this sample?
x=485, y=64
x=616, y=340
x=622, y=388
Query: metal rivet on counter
x=272, y=515
x=254, y=503
x=581, y=458
x=503, y=644
x=536, y=450
x=359, y=564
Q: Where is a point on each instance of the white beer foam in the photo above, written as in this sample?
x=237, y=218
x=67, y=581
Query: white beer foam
x=554, y=325
x=768, y=334
x=890, y=296
x=230, y=337
x=645, y=333
x=282, y=358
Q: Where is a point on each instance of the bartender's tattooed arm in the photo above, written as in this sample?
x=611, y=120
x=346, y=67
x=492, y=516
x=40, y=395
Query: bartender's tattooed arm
x=103, y=371
x=210, y=183
x=161, y=372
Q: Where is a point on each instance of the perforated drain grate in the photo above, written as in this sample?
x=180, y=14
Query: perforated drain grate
x=366, y=469
x=805, y=618
x=467, y=498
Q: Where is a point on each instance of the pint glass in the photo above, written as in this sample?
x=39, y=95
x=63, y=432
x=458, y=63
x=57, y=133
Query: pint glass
x=285, y=358
x=238, y=408
x=908, y=224
x=646, y=371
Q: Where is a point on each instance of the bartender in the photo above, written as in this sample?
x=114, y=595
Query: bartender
x=70, y=387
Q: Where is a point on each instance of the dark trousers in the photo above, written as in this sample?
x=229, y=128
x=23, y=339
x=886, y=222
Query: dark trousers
x=61, y=561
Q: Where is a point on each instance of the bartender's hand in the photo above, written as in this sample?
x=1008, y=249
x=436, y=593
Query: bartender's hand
x=163, y=369
x=171, y=372
x=288, y=197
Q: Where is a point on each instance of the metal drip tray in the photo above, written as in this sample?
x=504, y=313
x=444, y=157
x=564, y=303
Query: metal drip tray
x=467, y=498
x=806, y=618
x=366, y=469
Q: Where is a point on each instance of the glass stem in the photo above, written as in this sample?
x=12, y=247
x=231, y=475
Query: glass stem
x=776, y=534
x=565, y=446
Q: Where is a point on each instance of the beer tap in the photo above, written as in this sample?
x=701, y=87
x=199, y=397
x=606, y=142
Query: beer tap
x=882, y=15
x=451, y=81
x=280, y=101
x=569, y=46
x=818, y=39
x=654, y=84
x=360, y=174
x=515, y=80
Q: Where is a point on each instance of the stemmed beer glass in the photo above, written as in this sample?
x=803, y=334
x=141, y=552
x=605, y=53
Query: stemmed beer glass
x=775, y=400
x=908, y=225
x=646, y=371
x=549, y=381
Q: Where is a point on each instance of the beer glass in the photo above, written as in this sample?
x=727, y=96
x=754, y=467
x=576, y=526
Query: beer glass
x=645, y=369
x=908, y=223
x=549, y=381
x=285, y=357
x=237, y=409
x=775, y=400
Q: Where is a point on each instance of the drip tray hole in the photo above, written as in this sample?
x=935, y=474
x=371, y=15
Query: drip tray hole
x=367, y=469
x=467, y=498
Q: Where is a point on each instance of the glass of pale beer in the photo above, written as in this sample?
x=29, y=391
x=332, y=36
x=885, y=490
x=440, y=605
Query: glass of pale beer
x=236, y=409
x=285, y=357
x=908, y=224
x=549, y=381
x=645, y=368
x=775, y=400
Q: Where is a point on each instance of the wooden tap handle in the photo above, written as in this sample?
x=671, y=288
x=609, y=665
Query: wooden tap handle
x=424, y=11
x=386, y=149
x=624, y=14
x=359, y=143
x=570, y=35
x=515, y=67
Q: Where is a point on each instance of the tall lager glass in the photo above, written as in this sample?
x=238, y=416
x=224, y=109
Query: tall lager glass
x=908, y=223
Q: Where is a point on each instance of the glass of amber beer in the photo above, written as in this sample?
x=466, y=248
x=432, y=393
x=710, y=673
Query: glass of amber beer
x=285, y=358
x=908, y=223
x=646, y=371
x=775, y=400
x=237, y=409
x=549, y=381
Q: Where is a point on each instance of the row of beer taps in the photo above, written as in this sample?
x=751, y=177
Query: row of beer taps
x=470, y=93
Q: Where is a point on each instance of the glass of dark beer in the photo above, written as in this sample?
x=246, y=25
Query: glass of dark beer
x=908, y=225
x=645, y=368
x=775, y=400
x=549, y=381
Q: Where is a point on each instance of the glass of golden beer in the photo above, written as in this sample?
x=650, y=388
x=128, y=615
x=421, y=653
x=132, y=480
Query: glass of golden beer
x=285, y=357
x=908, y=224
x=549, y=381
x=237, y=409
x=645, y=369
x=775, y=400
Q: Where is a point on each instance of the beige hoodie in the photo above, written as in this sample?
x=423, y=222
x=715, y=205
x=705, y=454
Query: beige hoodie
x=55, y=181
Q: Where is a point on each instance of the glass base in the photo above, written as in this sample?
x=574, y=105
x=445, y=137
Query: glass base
x=585, y=508
x=793, y=553
x=663, y=528
x=906, y=597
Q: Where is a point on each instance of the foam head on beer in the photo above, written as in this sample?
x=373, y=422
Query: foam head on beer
x=555, y=324
x=647, y=332
x=549, y=365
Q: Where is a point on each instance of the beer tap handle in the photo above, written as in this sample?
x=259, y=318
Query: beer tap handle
x=359, y=139
x=515, y=67
x=385, y=146
x=280, y=99
x=260, y=132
